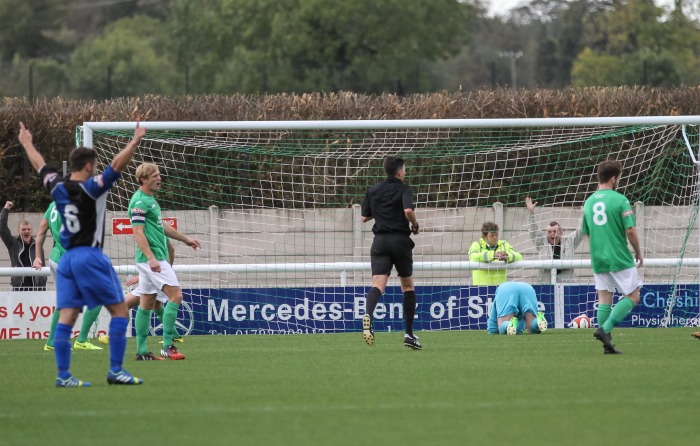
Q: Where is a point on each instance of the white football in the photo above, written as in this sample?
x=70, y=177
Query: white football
x=580, y=321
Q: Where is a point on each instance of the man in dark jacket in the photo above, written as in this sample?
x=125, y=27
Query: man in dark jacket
x=22, y=252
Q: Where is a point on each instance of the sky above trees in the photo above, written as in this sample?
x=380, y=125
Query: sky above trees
x=502, y=7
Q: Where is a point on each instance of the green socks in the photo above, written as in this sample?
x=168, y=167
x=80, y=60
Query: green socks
x=143, y=324
x=89, y=318
x=619, y=313
x=169, y=317
x=603, y=313
x=159, y=313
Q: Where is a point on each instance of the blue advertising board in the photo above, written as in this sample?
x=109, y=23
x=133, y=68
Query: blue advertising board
x=340, y=309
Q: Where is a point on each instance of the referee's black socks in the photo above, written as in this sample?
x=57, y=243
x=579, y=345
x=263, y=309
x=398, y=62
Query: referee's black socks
x=409, y=310
x=373, y=296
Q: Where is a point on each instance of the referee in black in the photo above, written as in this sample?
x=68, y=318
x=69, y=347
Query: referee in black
x=390, y=204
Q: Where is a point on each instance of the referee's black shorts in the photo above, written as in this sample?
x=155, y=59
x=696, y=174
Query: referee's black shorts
x=390, y=250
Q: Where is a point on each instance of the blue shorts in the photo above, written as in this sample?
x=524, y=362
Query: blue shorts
x=85, y=277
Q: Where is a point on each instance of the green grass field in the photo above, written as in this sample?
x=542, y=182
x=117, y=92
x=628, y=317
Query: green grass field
x=464, y=387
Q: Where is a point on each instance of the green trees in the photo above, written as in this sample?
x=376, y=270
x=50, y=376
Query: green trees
x=30, y=29
x=33, y=45
x=102, y=49
x=312, y=45
x=634, y=43
x=129, y=58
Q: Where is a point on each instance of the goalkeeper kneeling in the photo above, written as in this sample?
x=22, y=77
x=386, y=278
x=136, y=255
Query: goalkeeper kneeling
x=514, y=308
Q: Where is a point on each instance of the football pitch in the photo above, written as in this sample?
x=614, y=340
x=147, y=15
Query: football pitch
x=464, y=387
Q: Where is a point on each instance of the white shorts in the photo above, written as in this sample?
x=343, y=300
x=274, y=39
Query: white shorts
x=150, y=282
x=625, y=281
x=160, y=296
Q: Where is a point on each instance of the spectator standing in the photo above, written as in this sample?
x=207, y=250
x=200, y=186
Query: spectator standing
x=22, y=252
x=554, y=245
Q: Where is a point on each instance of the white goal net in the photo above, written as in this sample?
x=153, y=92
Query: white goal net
x=276, y=206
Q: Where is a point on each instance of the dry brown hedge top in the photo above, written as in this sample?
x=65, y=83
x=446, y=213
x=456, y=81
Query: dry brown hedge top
x=53, y=121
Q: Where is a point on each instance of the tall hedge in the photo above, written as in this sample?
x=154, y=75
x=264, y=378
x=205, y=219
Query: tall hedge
x=53, y=121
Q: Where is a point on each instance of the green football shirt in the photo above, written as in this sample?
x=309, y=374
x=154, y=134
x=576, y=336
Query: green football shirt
x=606, y=216
x=145, y=211
x=55, y=224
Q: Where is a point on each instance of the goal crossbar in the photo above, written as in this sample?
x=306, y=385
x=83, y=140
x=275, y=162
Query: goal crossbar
x=89, y=127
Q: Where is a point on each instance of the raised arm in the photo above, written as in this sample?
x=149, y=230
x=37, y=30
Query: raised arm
x=578, y=235
x=26, y=139
x=122, y=158
x=535, y=234
x=5, y=232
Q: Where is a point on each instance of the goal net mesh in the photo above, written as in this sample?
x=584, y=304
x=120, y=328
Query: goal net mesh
x=284, y=251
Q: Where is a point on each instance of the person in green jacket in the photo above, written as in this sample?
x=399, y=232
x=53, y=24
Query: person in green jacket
x=490, y=249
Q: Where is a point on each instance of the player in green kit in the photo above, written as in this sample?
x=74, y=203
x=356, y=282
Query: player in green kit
x=155, y=273
x=52, y=222
x=133, y=298
x=609, y=222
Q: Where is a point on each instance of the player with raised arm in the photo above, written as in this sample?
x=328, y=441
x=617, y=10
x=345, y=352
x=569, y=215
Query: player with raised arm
x=155, y=273
x=52, y=222
x=85, y=275
x=609, y=222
